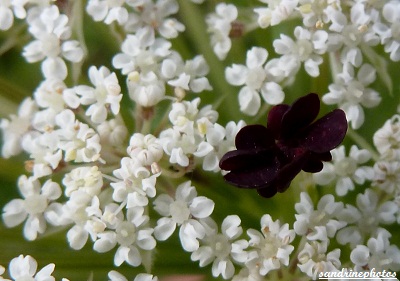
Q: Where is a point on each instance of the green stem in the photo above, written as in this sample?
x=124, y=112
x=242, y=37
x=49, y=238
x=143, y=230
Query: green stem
x=196, y=30
x=360, y=141
x=335, y=65
x=295, y=259
x=14, y=38
x=261, y=113
x=77, y=25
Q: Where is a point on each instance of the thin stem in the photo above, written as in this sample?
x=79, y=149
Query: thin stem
x=196, y=30
x=295, y=259
x=335, y=65
x=262, y=112
x=77, y=25
x=360, y=141
x=15, y=37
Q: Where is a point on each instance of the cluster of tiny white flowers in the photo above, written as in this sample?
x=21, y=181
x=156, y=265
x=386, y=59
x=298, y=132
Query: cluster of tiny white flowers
x=257, y=78
x=51, y=32
x=123, y=178
x=344, y=170
x=220, y=25
x=317, y=227
x=25, y=268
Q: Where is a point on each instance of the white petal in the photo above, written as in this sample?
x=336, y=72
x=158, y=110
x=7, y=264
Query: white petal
x=131, y=255
x=54, y=68
x=201, y=207
x=272, y=93
x=236, y=74
x=77, y=237
x=164, y=229
x=249, y=101
x=231, y=227
x=256, y=57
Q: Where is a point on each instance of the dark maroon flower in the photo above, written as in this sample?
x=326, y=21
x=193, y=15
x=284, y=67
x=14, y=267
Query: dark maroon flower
x=268, y=158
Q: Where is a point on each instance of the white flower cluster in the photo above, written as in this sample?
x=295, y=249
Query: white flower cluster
x=25, y=268
x=347, y=31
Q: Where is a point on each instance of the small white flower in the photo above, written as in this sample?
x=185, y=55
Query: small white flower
x=307, y=49
x=155, y=15
x=141, y=52
x=146, y=89
x=135, y=183
x=365, y=219
x=219, y=25
x=193, y=134
x=25, y=267
x=253, y=77
x=87, y=179
x=344, y=170
x=190, y=76
x=131, y=235
x=314, y=259
x=113, y=132
x=276, y=12
x=387, y=176
x=317, y=14
x=105, y=94
x=49, y=95
x=107, y=11
x=352, y=93
x=32, y=208
x=387, y=138
x=79, y=142
x=320, y=224
x=389, y=30
x=16, y=127
x=145, y=148
x=220, y=248
x=271, y=247
x=51, y=43
x=378, y=254
x=184, y=211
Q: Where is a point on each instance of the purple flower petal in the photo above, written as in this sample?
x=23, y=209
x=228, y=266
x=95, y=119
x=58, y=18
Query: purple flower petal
x=314, y=163
x=267, y=192
x=288, y=172
x=326, y=133
x=300, y=115
x=245, y=159
x=274, y=121
x=255, y=177
x=269, y=158
x=254, y=137
x=313, y=166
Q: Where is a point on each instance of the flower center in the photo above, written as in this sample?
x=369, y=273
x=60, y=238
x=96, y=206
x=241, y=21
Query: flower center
x=270, y=247
x=256, y=77
x=51, y=45
x=179, y=211
x=346, y=167
x=35, y=204
x=222, y=247
x=304, y=49
x=126, y=233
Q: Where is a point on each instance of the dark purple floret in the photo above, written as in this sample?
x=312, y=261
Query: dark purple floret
x=269, y=158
